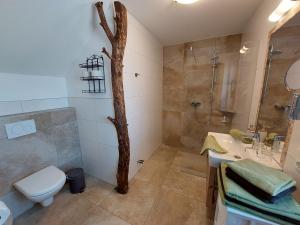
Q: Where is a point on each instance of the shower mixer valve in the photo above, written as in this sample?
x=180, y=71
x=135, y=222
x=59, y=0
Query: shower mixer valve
x=196, y=104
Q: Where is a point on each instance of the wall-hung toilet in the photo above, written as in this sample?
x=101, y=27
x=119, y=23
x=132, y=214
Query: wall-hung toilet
x=43, y=185
x=5, y=215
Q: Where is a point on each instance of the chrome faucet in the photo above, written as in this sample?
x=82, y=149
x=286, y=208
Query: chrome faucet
x=255, y=142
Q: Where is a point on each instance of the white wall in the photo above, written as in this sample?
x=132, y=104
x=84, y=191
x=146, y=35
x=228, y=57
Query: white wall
x=293, y=156
x=143, y=97
x=26, y=93
x=61, y=44
x=44, y=74
x=251, y=74
x=143, y=94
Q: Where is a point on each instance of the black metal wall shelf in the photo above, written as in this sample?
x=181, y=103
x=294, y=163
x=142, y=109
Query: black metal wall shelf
x=94, y=64
x=96, y=84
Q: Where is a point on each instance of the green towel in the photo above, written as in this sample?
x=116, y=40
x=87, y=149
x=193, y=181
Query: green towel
x=272, y=181
x=270, y=139
x=286, y=206
x=212, y=144
x=240, y=135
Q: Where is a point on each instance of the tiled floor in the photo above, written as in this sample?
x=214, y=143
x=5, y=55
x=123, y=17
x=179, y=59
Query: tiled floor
x=169, y=190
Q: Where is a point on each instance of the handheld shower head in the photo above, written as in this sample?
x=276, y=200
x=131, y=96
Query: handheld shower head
x=193, y=53
x=274, y=51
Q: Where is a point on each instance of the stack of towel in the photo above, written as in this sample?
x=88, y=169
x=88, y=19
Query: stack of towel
x=259, y=190
x=265, y=183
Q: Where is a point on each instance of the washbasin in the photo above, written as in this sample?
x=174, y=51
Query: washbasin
x=235, y=151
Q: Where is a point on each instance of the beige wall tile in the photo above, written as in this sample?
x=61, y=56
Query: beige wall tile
x=187, y=79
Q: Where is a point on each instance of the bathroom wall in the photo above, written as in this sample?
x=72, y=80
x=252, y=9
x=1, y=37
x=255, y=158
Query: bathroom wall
x=287, y=40
x=143, y=98
x=292, y=161
x=187, y=78
x=64, y=41
x=27, y=93
x=252, y=65
x=56, y=142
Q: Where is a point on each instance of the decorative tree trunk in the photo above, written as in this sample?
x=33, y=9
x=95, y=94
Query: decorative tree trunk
x=118, y=42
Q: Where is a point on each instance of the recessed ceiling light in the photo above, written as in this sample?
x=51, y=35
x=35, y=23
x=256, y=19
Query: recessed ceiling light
x=186, y=2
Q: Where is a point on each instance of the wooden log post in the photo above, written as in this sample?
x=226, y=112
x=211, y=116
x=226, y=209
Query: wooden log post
x=118, y=42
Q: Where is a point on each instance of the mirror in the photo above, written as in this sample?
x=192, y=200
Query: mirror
x=280, y=101
x=292, y=77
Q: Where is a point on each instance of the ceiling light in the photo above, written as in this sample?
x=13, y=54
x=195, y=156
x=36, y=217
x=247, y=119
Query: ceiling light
x=283, y=8
x=186, y=2
x=274, y=17
x=244, y=49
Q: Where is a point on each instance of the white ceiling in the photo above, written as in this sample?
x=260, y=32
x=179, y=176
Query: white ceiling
x=49, y=37
x=52, y=37
x=174, y=23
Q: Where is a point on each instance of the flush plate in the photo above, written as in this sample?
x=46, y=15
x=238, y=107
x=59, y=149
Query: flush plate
x=19, y=129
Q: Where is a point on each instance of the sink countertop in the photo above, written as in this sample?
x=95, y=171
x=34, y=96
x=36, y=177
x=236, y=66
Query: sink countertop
x=236, y=151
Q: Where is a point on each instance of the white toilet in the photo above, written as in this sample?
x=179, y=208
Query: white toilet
x=5, y=215
x=43, y=185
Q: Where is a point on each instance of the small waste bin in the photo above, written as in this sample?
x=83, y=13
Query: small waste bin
x=76, y=180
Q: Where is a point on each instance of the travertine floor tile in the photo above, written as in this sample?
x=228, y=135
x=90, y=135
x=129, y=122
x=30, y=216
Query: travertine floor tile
x=186, y=184
x=98, y=216
x=172, y=208
x=67, y=209
x=96, y=190
x=152, y=170
x=191, y=163
x=136, y=205
x=168, y=190
x=164, y=154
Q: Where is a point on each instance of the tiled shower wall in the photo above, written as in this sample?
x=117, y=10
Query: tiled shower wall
x=187, y=78
x=287, y=40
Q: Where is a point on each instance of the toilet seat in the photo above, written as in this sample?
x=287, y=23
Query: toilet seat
x=42, y=182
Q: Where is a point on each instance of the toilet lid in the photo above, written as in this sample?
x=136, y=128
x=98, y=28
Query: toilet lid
x=41, y=182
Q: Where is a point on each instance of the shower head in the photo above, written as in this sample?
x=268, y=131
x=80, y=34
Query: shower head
x=276, y=52
x=191, y=48
x=273, y=52
x=190, y=45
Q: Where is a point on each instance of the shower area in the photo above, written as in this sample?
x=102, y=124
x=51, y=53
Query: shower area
x=199, y=83
x=284, y=50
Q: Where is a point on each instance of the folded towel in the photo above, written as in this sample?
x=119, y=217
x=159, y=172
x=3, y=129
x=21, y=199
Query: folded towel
x=212, y=144
x=272, y=181
x=257, y=192
x=240, y=135
x=270, y=139
x=285, y=211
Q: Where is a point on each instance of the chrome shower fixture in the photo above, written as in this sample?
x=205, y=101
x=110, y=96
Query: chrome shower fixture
x=272, y=52
x=196, y=104
x=193, y=53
